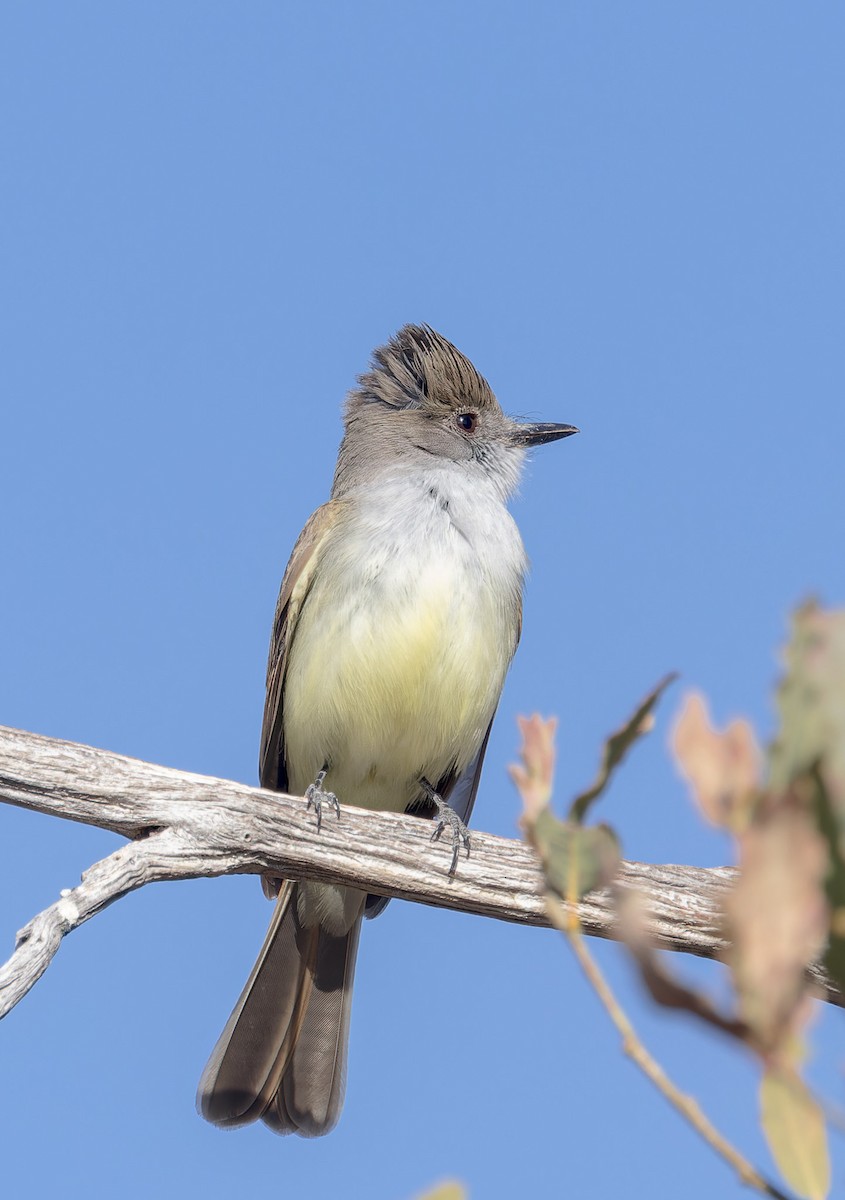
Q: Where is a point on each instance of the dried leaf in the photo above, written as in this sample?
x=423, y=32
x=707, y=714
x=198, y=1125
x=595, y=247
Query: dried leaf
x=665, y=988
x=794, y=1126
x=616, y=747
x=777, y=917
x=722, y=769
x=575, y=860
x=450, y=1189
x=535, y=776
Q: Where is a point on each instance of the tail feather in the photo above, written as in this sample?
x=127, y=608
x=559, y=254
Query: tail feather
x=310, y=1095
x=282, y=1054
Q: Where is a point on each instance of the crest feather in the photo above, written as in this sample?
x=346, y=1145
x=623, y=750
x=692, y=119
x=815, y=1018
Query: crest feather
x=419, y=368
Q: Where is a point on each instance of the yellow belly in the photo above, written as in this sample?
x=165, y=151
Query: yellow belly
x=389, y=685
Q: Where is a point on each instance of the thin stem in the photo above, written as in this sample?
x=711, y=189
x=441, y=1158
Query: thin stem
x=565, y=918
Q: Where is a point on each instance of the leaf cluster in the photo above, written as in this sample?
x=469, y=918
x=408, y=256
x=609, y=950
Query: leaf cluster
x=785, y=810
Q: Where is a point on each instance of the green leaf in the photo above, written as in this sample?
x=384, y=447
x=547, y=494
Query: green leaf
x=811, y=702
x=834, y=958
x=793, y=1123
x=616, y=747
x=575, y=858
x=808, y=754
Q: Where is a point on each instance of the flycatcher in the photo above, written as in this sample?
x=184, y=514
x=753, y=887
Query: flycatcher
x=398, y=616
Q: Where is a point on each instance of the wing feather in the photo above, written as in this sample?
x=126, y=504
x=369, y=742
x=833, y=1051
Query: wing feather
x=296, y=582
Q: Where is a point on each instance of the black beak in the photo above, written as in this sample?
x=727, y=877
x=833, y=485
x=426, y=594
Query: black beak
x=537, y=435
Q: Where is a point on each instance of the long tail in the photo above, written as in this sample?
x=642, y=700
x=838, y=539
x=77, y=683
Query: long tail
x=282, y=1055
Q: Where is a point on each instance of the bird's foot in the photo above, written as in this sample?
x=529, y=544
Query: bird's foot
x=317, y=797
x=447, y=818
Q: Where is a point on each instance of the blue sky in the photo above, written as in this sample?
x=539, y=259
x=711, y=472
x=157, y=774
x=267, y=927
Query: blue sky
x=631, y=218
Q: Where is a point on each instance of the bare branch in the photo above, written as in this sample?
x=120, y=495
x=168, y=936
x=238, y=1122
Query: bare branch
x=185, y=826
x=151, y=860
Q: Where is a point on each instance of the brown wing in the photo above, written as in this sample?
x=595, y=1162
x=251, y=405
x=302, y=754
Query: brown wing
x=295, y=585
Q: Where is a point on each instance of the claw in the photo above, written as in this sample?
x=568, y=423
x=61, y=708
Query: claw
x=448, y=819
x=316, y=797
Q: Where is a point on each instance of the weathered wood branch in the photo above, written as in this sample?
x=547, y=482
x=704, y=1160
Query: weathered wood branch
x=184, y=826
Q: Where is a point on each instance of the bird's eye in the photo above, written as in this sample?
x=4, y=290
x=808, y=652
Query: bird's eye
x=467, y=421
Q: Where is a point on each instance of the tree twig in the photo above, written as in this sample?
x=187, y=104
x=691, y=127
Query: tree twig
x=185, y=826
x=158, y=857
x=564, y=919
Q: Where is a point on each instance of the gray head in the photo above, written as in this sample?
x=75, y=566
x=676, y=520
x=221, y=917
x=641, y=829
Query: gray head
x=423, y=404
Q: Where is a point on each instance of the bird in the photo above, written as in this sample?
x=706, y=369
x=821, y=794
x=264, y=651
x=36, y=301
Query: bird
x=397, y=619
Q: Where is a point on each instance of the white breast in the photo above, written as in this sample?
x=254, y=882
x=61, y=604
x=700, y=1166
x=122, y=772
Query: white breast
x=403, y=642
